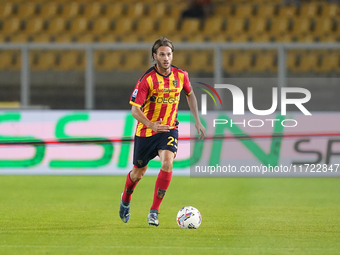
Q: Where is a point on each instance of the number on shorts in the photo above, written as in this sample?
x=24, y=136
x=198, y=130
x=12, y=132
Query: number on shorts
x=171, y=141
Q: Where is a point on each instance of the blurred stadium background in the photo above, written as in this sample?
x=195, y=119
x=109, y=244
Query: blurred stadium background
x=57, y=77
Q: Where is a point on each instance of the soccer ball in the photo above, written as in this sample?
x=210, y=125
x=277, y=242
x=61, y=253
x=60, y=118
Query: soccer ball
x=189, y=217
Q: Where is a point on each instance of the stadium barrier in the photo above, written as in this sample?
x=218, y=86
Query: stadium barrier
x=55, y=142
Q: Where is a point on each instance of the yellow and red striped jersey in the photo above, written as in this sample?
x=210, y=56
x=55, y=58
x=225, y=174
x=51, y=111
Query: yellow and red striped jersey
x=159, y=96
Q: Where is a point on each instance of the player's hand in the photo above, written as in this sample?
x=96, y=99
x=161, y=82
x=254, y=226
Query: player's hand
x=201, y=130
x=159, y=128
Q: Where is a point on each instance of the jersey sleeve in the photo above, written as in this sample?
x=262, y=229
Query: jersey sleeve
x=186, y=84
x=140, y=93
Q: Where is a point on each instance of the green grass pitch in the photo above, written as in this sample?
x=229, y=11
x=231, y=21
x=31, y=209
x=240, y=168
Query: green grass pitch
x=79, y=215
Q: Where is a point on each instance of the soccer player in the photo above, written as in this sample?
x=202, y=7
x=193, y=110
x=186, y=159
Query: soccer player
x=154, y=105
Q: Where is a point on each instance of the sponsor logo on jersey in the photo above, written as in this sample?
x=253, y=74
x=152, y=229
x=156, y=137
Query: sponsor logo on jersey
x=166, y=90
x=167, y=100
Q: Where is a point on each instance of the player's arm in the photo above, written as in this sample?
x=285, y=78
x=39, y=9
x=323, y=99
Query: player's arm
x=192, y=102
x=155, y=126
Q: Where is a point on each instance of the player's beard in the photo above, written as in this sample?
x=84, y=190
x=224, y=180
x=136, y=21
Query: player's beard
x=164, y=67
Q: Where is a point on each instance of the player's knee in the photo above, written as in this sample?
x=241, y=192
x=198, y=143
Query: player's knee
x=136, y=178
x=167, y=165
x=136, y=175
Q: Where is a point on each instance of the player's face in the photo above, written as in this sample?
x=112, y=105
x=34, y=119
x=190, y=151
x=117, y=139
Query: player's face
x=163, y=58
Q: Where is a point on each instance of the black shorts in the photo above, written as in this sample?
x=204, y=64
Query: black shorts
x=146, y=148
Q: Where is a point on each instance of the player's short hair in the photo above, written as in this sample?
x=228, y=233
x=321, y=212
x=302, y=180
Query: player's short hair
x=159, y=43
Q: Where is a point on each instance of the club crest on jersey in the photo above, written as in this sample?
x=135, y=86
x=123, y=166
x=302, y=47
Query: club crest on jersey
x=175, y=82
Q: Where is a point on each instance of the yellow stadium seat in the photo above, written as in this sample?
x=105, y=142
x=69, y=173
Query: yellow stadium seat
x=135, y=10
x=174, y=37
x=145, y=26
x=284, y=38
x=223, y=10
x=218, y=38
x=6, y=59
x=213, y=25
x=48, y=10
x=92, y=10
x=123, y=26
x=195, y=38
x=190, y=26
x=2, y=38
x=64, y=38
x=56, y=25
x=157, y=10
x=261, y=38
x=10, y=26
x=78, y=25
x=41, y=38
x=101, y=25
x=244, y=37
x=238, y=61
x=26, y=10
x=70, y=10
x=279, y=26
x=257, y=26
x=19, y=38
x=292, y=60
x=129, y=38
x=181, y=59
x=136, y=60
x=62, y=1
x=176, y=9
x=306, y=62
x=201, y=61
x=86, y=38
x=323, y=26
x=82, y=1
x=10, y=60
x=265, y=10
x=301, y=26
x=307, y=38
x=107, y=38
x=151, y=38
x=167, y=26
x=264, y=62
x=42, y=61
x=330, y=62
x=14, y=1
x=235, y=26
x=329, y=38
x=309, y=10
x=244, y=10
x=70, y=60
x=33, y=26
x=287, y=11
x=114, y=10
x=107, y=60
x=102, y=1
x=6, y=9
x=329, y=10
